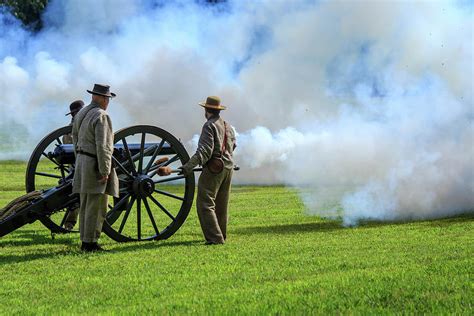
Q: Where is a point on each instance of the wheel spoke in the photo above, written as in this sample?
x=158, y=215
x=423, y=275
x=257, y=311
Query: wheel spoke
x=51, y=159
x=169, y=194
x=61, y=168
x=140, y=159
x=118, y=206
x=157, y=151
x=164, y=164
x=139, y=219
x=123, y=190
x=175, y=157
x=59, y=141
x=155, y=168
x=129, y=156
x=169, y=179
x=63, y=221
x=63, y=175
x=136, y=156
x=127, y=212
x=162, y=208
x=121, y=167
x=48, y=175
x=150, y=215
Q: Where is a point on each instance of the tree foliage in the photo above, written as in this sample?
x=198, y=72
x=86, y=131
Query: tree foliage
x=27, y=11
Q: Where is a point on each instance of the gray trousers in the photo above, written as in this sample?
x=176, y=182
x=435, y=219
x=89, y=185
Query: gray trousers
x=212, y=202
x=71, y=217
x=92, y=215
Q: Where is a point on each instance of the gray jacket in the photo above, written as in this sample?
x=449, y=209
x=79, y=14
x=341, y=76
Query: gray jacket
x=94, y=136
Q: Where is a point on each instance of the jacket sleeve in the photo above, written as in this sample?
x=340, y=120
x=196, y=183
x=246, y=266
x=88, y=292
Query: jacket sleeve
x=104, y=140
x=74, y=135
x=205, y=148
x=206, y=144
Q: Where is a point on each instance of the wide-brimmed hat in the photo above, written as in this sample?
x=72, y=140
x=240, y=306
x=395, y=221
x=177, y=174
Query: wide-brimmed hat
x=212, y=102
x=75, y=107
x=103, y=90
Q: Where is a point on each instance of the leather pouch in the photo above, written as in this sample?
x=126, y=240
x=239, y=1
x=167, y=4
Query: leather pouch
x=215, y=165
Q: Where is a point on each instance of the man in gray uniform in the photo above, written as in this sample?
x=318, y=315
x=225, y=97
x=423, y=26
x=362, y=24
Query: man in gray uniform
x=94, y=177
x=217, y=141
x=73, y=211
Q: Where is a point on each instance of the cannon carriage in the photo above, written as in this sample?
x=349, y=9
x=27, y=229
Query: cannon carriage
x=150, y=207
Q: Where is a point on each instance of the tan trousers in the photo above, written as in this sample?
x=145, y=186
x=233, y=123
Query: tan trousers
x=92, y=215
x=212, y=201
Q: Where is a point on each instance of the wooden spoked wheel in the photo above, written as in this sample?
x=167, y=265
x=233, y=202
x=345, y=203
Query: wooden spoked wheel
x=44, y=171
x=150, y=207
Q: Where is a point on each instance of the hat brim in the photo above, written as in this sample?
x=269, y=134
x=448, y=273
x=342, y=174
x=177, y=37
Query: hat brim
x=70, y=113
x=210, y=106
x=111, y=95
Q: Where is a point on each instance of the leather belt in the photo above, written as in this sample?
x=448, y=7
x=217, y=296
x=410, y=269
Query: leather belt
x=86, y=154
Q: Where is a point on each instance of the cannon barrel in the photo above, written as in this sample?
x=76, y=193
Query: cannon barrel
x=64, y=153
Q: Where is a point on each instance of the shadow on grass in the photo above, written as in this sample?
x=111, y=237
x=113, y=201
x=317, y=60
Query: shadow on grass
x=444, y=222
x=291, y=228
x=435, y=222
x=334, y=225
x=74, y=249
x=31, y=237
x=10, y=259
x=125, y=247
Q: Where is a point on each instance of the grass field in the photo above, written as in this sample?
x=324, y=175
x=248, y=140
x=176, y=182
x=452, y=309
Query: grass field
x=277, y=261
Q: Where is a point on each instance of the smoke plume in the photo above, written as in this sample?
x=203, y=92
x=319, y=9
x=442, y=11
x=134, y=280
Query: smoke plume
x=365, y=106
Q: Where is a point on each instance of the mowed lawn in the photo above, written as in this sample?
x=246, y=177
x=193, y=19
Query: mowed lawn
x=277, y=260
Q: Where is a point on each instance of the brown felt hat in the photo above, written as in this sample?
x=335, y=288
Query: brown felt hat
x=103, y=90
x=212, y=102
x=75, y=107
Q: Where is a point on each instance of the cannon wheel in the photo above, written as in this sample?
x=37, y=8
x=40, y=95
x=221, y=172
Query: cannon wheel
x=150, y=207
x=44, y=172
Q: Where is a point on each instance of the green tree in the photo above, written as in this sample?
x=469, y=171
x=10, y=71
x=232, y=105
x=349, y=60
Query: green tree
x=27, y=11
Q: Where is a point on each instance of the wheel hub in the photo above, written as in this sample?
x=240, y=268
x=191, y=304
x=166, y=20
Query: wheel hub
x=143, y=186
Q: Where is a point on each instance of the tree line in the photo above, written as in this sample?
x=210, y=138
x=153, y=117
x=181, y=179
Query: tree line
x=29, y=11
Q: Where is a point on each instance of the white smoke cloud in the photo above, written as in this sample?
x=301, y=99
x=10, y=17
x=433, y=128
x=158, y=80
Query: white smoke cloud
x=366, y=106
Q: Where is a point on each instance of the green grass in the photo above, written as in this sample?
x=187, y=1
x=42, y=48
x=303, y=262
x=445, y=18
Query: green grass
x=277, y=261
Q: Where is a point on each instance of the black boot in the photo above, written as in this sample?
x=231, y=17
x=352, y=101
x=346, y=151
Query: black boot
x=91, y=247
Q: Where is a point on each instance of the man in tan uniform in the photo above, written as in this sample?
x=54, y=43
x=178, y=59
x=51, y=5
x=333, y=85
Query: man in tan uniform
x=73, y=211
x=217, y=140
x=94, y=177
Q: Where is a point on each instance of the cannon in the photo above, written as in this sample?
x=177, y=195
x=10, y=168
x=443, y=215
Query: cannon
x=150, y=207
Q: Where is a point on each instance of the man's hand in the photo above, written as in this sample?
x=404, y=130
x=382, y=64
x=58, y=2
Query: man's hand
x=188, y=167
x=103, y=179
x=185, y=170
x=164, y=171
